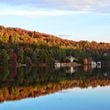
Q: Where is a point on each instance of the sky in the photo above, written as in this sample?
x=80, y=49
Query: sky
x=69, y=19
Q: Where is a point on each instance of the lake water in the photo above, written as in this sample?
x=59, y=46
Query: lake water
x=55, y=88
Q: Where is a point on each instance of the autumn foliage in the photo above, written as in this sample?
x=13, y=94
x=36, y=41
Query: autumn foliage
x=38, y=47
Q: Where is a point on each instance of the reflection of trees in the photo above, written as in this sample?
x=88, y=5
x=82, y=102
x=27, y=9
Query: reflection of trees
x=71, y=70
x=4, y=73
x=38, y=81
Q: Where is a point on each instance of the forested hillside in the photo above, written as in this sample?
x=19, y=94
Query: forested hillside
x=19, y=45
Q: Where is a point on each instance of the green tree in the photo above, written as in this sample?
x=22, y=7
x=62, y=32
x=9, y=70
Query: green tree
x=4, y=57
x=20, y=55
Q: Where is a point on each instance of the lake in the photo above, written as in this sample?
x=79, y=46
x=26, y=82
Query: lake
x=51, y=88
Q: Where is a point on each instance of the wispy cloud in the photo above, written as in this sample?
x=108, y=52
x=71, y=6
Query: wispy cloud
x=35, y=13
x=24, y=10
x=73, y=5
x=82, y=5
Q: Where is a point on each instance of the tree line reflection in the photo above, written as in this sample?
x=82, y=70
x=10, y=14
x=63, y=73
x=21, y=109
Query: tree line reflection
x=18, y=83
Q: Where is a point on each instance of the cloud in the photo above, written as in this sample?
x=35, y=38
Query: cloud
x=36, y=12
x=25, y=10
x=83, y=5
x=73, y=5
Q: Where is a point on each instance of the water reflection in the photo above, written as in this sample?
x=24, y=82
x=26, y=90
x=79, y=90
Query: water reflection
x=71, y=70
x=72, y=99
x=18, y=83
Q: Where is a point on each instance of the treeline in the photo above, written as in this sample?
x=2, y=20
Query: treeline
x=22, y=46
x=17, y=35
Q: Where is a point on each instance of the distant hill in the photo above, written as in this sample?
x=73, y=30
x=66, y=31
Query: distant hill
x=17, y=35
x=30, y=47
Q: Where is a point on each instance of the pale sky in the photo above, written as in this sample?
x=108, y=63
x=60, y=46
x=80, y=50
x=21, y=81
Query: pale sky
x=70, y=19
